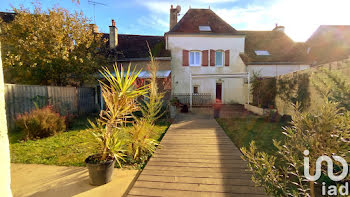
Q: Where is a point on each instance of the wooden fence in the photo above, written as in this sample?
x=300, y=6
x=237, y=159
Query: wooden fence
x=200, y=99
x=66, y=100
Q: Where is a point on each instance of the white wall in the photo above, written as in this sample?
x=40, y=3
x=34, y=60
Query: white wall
x=275, y=70
x=233, y=90
x=5, y=178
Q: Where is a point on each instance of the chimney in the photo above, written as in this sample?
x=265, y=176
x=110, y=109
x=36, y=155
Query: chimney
x=278, y=28
x=94, y=28
x=113, y=35
x=173, y=15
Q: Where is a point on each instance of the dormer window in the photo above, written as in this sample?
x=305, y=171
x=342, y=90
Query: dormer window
x=262, y=53
x=204, y=28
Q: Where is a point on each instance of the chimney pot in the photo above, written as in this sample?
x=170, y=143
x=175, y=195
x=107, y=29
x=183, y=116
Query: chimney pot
x=173, y=15
x=113, y=36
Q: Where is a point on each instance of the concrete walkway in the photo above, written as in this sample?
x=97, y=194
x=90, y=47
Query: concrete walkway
x=61, y=181
x=196, y=158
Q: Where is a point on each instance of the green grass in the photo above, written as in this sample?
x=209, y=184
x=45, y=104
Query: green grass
x=69, y=148
x=246, y=129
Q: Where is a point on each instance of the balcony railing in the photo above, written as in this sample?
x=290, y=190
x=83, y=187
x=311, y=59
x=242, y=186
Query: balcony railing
x=200, y=99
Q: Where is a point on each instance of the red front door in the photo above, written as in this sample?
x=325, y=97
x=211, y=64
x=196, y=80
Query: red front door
x=218, y=92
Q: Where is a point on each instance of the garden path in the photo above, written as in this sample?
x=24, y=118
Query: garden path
x=196, y=158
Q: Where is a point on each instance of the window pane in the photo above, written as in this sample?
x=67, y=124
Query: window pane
x=191, y=58
x=197, y=61
x=218, y=58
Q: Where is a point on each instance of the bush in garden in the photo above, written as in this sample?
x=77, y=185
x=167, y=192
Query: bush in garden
x=40, y=123
x=141, y=140
x=326, y=131
x=263, y=91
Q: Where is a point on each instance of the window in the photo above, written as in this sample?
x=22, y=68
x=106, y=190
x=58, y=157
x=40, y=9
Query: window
x=195, y=58
x=204, y=28
x=195, y=89
x=219, y=58
x=261, y=52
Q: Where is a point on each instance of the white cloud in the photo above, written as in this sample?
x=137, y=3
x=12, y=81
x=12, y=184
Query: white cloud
x=153, y=21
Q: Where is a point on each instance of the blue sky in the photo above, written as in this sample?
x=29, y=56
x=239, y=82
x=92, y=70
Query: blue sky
x=151, y=17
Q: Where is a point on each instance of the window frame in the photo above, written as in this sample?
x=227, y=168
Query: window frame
x=200, y=58
x=222, y=58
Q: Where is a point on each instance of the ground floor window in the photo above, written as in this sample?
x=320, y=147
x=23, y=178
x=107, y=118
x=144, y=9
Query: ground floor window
x=195, y=90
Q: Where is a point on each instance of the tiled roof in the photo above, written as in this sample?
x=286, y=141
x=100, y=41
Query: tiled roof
x=281, y=48
x=7, y=16
x=329, y=43
x=190, y=22
x=135, y=46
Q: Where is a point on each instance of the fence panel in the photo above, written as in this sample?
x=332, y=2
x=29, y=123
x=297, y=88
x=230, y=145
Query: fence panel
x=66, y=100
x=86, y=100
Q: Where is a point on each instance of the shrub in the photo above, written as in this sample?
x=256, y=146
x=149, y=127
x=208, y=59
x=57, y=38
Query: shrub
x=263, y=91
x=141, y=142
x=326, y=131
x=40, y=123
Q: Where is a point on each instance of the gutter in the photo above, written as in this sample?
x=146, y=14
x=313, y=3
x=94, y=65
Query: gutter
x=144, y=59
x=204, y=34
x=276, y=63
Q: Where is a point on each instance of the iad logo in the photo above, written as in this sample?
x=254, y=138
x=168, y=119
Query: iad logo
x=332, y=190
x=329, y=167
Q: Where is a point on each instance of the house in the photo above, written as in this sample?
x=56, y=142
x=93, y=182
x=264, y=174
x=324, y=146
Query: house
x=329, y=43
x=203, y=55
x=210, y=56
x=128, y=49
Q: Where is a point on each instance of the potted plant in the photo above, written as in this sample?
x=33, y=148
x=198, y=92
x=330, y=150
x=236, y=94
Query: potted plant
x=119, y=93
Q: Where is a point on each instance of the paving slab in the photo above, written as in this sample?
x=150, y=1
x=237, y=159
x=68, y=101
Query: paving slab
x=61, y=181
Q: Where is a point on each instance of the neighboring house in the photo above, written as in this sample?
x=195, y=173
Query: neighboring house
x=329, y=43
x=209, y=56
x=127, y=49
x=273, y=53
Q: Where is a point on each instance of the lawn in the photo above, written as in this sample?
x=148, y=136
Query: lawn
x=243, y=130
x=68, y=148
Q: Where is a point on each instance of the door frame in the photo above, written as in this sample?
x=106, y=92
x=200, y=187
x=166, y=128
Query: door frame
x=222, y=92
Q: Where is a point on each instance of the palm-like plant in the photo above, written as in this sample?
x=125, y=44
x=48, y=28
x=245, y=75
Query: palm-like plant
x=120, y=94
x=141, y=143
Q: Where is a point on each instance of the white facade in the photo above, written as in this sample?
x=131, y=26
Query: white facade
x=233, y=90
x=275, y=70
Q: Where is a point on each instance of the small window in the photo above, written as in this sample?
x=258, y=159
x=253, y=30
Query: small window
x=219, y=58
x=195, y=89
x=204, y=28
x=261, y=52
x=195, y=58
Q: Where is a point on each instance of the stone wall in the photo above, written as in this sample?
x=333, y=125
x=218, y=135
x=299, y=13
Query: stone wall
x=285, y=107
